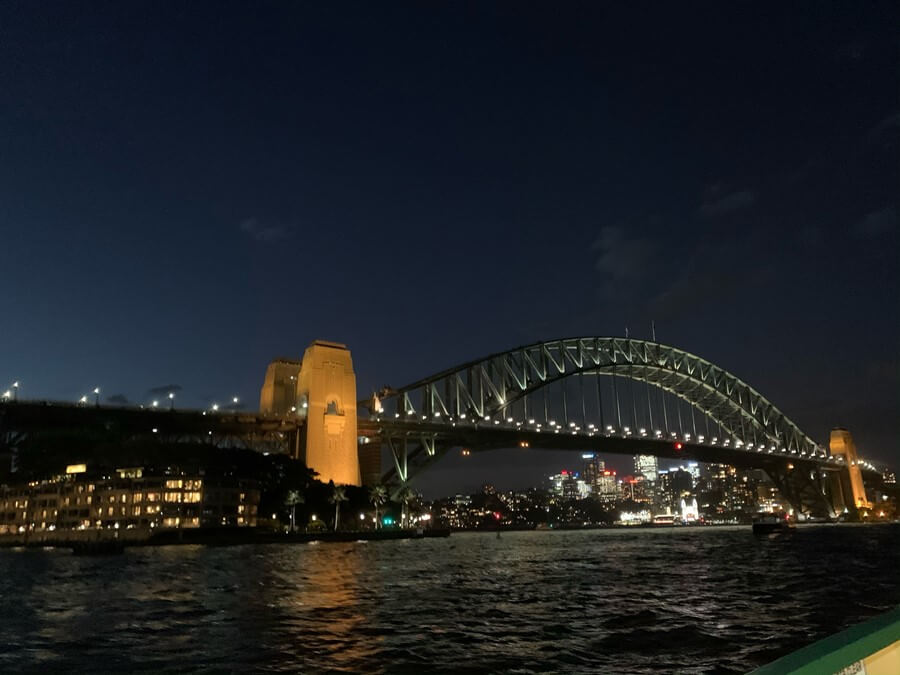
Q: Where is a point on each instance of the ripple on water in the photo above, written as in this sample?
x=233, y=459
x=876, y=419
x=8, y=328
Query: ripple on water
x=691, y=600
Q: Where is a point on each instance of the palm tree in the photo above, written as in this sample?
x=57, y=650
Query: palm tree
x=293, y=498
x=378, y=496
x=405, y=495
x=338, y=495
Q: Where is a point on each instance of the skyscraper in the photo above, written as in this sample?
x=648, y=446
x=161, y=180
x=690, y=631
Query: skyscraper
x=646, y=466
x=591, y=470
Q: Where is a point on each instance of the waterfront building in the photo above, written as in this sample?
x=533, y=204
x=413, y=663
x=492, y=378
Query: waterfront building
x=564, y=485
x=723, y=491
x=592, y=469
x=607, y=489
x=690, y=513
x=583, y=489
x=646, y=466
x=128, y=501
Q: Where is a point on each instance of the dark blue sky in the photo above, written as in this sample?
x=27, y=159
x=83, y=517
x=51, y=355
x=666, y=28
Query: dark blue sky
x=187, y=191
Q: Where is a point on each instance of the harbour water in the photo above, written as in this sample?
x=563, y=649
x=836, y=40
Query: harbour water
x=691, y=600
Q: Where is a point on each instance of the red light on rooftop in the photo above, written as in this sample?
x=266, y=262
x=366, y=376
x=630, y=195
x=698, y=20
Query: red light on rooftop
x=678, y=446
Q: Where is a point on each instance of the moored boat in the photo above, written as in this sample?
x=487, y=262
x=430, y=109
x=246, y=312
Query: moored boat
x=767, y=523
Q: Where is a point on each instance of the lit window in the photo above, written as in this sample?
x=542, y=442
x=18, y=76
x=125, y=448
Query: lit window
x=137, y=510
x=173, y=496
x=191, y=497
x=137, y=497
x=173, y=483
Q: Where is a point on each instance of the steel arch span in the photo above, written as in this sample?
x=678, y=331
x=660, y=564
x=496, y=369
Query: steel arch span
x=590, y=388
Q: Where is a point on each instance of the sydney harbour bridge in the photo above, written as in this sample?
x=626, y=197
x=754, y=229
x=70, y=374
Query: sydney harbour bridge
x=603, y=394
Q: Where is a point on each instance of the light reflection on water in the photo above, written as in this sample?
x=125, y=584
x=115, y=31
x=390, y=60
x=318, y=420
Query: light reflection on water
x=691, y=600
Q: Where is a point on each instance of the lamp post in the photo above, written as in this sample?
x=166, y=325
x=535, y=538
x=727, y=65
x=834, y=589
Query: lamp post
x=171, y=400
x=15, y=391
x=97, y=396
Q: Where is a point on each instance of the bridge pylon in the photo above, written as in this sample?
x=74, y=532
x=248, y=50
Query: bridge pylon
x=849, y=483
x=321, y=391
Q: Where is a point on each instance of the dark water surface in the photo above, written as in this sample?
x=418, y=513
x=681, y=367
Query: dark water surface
x=671, y=600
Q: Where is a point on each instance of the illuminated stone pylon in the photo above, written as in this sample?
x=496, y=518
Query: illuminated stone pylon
x=842, y=445
x=326, y=389
x=321, y=390
x=279, y=390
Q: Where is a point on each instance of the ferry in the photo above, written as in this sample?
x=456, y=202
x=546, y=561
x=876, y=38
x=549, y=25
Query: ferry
x=868, y=648
x=767, y=523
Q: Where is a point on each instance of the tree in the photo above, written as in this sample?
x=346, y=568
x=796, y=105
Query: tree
x=338, y=495
x=293, y=498
x=378, y=496
x=405, y=495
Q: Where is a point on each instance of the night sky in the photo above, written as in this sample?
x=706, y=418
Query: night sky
x=188, y=190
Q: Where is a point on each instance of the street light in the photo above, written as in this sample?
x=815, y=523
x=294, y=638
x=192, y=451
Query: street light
x=155, y=404
x=15, y=390
x=215, y=407
x=171, y=400
x=82, y=400
x=6, y=395
x=97, y=396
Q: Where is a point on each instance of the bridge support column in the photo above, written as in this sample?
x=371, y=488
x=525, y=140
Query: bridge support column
x=326, y=389
x=320, y=391
x=842, y=445
x=804, y=489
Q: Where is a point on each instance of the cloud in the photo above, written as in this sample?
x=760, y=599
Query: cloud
x=886, y=133
x=265, y=233
x=695, y=291
x=733, y=201
x=118, y=399
x=165, y=389
x=811, y=237
x=876, y=223
x=621, y=258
